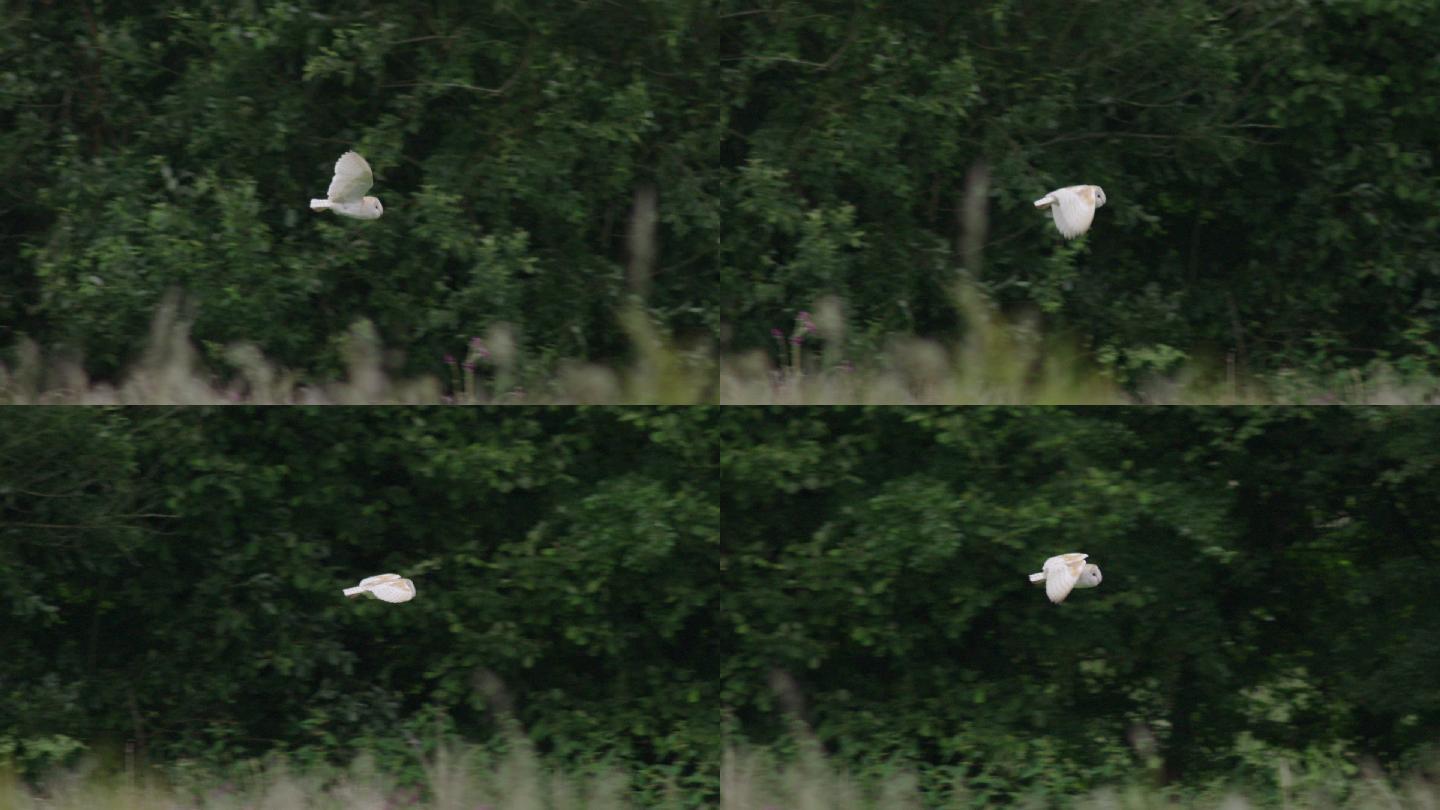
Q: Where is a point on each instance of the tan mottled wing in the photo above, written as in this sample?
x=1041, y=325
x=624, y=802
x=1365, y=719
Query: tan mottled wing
x=400, y=590
x=1061, y=573
x=1073, y=212
x=352, y=179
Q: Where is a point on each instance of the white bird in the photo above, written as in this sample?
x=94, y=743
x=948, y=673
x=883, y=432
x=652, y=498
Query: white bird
x=346, y=196
x=1073, y=208
x=1067, y=571
x=385, y=587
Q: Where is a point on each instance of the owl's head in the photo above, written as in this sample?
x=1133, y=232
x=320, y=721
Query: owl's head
x=1099, y=196
x=372, y=204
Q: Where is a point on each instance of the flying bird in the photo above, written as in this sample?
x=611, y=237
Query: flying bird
x=385, y=587
x=1073, y=208
x=1061, y=574
x=346, y=196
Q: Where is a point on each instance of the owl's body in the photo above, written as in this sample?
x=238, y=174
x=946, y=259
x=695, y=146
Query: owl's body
x=385, y=587
x=346, y=195
x=1062, y=573
x=1073, y=208
x=363, y=208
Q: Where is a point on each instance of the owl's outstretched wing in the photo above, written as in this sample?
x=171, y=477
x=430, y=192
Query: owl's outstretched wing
x=401, y=590
x=1061, y=574
x=1073, y=214
x=352, y=179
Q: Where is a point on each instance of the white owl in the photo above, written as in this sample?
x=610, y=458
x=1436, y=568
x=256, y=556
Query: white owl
x=346, y=196
x=1073, y=208
x=385, y=587
x=1061, y=574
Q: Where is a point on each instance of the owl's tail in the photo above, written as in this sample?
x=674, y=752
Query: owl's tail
x=319, y=205
x=1037, y=578
x=1044, y=202
x=351, y=591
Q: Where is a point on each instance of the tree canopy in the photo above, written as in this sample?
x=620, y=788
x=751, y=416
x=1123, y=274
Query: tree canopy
x=1259, y=598
x=174, y=582
x=1269, y=168
x=148, y=148
x=648, y=585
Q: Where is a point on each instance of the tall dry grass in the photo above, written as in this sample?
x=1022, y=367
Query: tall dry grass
x=170, y=372
x=1009, y=360
x=758, y=780
x=455, y=778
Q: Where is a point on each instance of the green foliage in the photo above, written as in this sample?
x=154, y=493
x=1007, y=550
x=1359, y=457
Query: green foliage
x=1254, y=603
x=154, y=149
x=1269, y=169
x=631, y=586
x=176, y=581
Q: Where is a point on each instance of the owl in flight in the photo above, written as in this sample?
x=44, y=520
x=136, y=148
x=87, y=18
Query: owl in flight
x=1061, y=574
x=346, y=196
x=1073, y=208
x=385, y=587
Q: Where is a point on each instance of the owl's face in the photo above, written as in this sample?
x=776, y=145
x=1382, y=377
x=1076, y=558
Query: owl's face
x=372, y=205
x=1099, y=196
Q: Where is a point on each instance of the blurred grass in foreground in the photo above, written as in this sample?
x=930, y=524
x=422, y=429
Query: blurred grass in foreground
x=1009, y=361
x=454, y=778
x=170, y=372
x=759, y=780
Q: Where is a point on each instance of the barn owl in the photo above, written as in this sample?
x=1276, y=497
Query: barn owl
x=385, y=587
x=1073, y=208
x=346, y=196
x=1064, y=572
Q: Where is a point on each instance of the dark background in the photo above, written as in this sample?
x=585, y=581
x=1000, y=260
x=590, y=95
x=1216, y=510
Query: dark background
x=1265, y=594
x=1269, y=168
x=150, y=147
x=174, y=585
